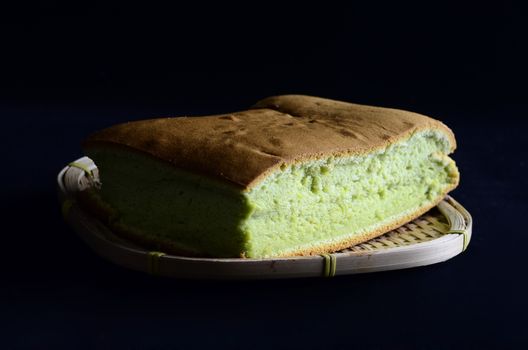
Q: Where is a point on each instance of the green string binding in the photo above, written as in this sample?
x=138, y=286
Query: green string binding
x=153, y=262
x=82, y=167
x=465, y=237
x=330, y=264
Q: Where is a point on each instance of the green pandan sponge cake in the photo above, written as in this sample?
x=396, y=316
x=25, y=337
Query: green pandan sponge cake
x=293, y=175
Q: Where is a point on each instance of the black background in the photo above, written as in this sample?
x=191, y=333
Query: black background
x=68, y=71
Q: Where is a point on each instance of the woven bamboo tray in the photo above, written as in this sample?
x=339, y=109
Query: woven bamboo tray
x=436, y=236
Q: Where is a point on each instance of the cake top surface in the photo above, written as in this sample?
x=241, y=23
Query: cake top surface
x=244, y=147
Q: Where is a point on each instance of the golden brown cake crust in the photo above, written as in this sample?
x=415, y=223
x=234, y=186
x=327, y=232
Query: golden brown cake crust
x=244, y=147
